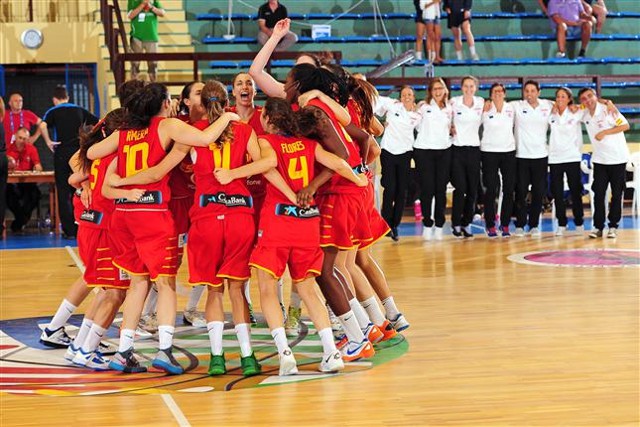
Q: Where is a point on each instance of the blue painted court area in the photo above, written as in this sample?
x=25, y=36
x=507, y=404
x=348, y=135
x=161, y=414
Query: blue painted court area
x=406, y=229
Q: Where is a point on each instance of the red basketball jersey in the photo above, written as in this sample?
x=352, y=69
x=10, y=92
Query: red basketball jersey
x=338, y=184
x=138, y=150
x=281, y=222
x=256, y=183
x=211, y=197
x=98, y=215
x=180, y=182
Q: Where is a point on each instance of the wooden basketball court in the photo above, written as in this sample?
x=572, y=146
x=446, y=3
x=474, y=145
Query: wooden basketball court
x=492, y=342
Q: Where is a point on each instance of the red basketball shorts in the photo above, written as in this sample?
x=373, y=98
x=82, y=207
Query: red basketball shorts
x=220, y=247
x=179, y=209
x=339, y=215
x=302, y=262
x=376, y=227
x=144, y=242
x=95, y=248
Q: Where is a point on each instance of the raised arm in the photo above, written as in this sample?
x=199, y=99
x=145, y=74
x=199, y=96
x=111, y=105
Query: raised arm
x=339, y=166
x=155, y=173
x=263, y=156
x=269, y=85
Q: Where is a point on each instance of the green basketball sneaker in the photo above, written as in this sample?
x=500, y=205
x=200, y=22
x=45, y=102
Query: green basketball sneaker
x=250, y=365
x=217, y=365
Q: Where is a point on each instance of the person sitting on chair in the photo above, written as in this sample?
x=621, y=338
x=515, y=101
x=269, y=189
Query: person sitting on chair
x=22, y=198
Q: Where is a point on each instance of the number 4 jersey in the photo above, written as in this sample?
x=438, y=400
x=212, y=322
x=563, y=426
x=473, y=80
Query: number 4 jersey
x=281, y=222
x=140, y=149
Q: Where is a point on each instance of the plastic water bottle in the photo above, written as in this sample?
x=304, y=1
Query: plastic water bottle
x=417, y=210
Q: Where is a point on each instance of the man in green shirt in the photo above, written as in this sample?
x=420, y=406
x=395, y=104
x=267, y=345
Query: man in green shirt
x=144, y=31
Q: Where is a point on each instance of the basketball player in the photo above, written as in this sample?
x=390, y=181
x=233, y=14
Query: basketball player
x=148, y=222
x=290, y=235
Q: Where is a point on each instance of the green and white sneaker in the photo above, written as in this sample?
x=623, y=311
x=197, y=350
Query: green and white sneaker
x=250, y=365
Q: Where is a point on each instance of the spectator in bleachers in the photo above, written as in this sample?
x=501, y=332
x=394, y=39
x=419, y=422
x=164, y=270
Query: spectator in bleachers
x=401, y=119
x=421, y=30
x=597, y=9
x=459, y=21
x=17, y=117
x=609, y=160
x=268, y=15
x=431, y=18
x=23, y=198
x=144, y=32
x=569, y=19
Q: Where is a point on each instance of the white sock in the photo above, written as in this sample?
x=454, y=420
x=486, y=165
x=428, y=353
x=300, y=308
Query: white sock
x=328, y=342
x=65, y=311
x=152, y=301
x=432, y=55
x=126, y=339
x=194, y=297
x=215, y=337
x=418, y=55
x=295, y=302
x=281, y=291
x=82, y=332
x=93, y=339
x=391, y=311
x=361, y=315
x=373, y=310
x=244, y=339
x=351, y=327
x=247, y=292
x=280, y=337
x=459, y=55
x=472, y=50
x=165, y=336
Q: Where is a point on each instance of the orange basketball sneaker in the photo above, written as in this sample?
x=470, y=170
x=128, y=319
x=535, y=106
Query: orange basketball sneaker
x=373, y=333
x=356, y=351
x=387, y=331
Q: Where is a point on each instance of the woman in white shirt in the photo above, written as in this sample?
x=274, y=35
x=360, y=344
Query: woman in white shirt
x=432, y=156
x=609, y=159
x=565, y=154
x=498, y=147
x=465, y=156
x=401, y=119
x=532, y=123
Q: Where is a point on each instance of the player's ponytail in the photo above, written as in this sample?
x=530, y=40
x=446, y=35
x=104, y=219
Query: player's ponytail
x=214, y=99
x=105, y=127
x=145, y=105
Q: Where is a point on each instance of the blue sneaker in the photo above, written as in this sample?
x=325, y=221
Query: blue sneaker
x=165, y=361
x=399, y=323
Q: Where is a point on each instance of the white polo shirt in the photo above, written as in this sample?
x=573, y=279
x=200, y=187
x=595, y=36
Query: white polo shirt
x=399, y=125
x=612, y=149
x=467, y=121
x=531, y=128
x=565, y=139
x=434, y=127
x=497, y=136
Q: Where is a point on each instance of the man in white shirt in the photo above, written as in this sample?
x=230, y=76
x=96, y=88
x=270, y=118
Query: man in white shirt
x=609, y=159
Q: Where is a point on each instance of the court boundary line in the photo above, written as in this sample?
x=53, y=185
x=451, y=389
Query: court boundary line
x=175, y=410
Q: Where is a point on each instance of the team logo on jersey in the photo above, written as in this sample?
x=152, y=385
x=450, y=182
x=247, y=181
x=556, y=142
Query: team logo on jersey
x=92, y=216
x=29, y=368
x=594, y=258
x=228, y=200
x=296, y=211
x=148, y=198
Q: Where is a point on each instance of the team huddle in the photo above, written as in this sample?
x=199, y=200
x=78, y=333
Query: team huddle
x=284, y=186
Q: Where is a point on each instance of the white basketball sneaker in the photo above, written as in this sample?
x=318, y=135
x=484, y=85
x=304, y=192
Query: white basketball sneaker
x=332, y=362
x=288, y=365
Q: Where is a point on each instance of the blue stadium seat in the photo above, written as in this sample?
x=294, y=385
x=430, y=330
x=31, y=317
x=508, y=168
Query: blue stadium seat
x=387, y=16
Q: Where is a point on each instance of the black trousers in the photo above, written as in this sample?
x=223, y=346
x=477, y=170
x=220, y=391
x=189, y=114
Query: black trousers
x=22, y=199
x=574, y=179
x=433, y=168
x=603, y=176
x=4, y=171
x=530, y=172
x=64, y=192
x=465, y=177
x=395, y=180
x=492, y=163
